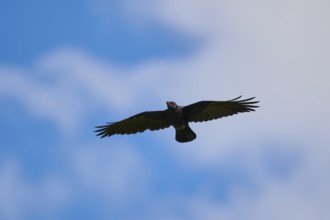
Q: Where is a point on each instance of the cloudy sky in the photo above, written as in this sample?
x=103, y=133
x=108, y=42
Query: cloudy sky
x=66, y=67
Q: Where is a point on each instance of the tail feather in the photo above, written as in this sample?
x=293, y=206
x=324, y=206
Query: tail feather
x=185, y=134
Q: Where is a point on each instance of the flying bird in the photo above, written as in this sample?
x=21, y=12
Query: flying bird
x=178, y=117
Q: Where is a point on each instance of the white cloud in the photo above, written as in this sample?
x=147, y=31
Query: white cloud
x=304, y=194
x=54, y=101
x=113, y=175
x=13, y=195
x=117, y=173
x=262, y=50
x=20, y=198
x=276, y=50
x=67, y=85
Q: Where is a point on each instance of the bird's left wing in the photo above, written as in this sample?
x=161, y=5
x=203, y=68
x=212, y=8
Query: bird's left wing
x=152, y=120
x=209, y=110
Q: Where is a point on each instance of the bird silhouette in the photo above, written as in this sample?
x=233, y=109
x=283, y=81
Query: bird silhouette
x=178, y=117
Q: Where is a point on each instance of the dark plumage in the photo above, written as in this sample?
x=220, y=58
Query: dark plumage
x=178, y=117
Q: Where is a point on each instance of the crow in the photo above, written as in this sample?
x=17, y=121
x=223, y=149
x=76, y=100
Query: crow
x=178, y=117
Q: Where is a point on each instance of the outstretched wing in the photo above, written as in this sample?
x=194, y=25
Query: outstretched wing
x=209, y=110
x=153, y=120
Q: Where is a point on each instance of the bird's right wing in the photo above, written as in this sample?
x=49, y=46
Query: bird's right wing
x=152, y=120
x=209, y=110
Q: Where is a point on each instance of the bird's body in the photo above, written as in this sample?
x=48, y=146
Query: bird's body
x=180, y=122
x=178, y=117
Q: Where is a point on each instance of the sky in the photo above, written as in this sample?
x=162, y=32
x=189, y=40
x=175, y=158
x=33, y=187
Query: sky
x=66, y=67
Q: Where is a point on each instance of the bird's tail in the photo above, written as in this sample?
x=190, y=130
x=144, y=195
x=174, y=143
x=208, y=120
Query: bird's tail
x=184, y=134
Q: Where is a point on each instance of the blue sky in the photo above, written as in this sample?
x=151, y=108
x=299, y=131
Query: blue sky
x=66, y=67
x=49, y=25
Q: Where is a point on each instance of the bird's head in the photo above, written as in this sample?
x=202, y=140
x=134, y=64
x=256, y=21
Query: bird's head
x=171, y=105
